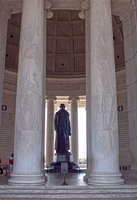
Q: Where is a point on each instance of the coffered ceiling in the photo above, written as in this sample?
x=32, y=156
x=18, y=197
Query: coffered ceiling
x=65, y=44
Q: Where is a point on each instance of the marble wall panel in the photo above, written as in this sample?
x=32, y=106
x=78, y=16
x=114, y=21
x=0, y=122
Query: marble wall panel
x=130, y=43
x=133, y=154
x=130, y=24
x=131, y=70
x=132, y=116
x=132, y=97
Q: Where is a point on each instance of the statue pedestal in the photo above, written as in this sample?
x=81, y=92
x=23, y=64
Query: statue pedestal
x=63, y=158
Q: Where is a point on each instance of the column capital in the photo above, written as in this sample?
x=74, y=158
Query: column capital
x=73, y=97
x=127, y=14
x=84, y=7
x=51, y=97
x=48, y=6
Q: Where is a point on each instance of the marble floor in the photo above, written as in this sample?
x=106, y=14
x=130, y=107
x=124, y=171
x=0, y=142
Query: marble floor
x=56, y=179
x=76, y=189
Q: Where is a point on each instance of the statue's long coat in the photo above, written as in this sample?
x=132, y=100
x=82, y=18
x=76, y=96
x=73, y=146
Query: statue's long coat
x=62, y=127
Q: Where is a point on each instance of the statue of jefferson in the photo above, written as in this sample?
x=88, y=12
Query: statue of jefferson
x=62, y=128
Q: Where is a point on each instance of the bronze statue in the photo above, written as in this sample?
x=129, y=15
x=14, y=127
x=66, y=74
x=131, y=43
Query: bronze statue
x=62, y=128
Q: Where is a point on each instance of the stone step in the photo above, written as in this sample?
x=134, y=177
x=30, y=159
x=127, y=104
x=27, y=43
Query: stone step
x=68, y=192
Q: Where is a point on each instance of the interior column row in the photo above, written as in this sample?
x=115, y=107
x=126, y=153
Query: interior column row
x=102, y=126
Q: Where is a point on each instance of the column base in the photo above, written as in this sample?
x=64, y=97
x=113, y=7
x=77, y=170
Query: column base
x=105, y=179
x=87, y=175
x=34, y=179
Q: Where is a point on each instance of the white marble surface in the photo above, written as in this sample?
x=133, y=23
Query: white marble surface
x=104, y=127
x=28, y=122
x=132, y=97
x=130, y=43
x=76, y=189
x=74, y=128
x=130, y=24
x=131, y=70
x=88, y=95
x=50, y=131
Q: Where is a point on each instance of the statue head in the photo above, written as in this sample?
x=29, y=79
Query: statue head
x=62, y=106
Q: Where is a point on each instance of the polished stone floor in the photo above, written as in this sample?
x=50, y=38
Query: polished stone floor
x=56, y=179
x=76, y=189
x=72, y=179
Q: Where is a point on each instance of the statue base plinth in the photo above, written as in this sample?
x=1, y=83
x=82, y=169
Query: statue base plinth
x=62, y=158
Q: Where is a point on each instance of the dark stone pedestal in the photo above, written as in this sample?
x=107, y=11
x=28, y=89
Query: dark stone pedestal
x=63, y=158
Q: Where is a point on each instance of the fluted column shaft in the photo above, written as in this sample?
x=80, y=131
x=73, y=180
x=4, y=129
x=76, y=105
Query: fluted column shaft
x=74, y=128
x=3, y=38
x=50, y=131
x=44, y=92
x=28, y=121
x=104, y=127
x=88, y=96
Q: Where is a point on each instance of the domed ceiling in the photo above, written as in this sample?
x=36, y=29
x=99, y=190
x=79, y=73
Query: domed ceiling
x=65, y=44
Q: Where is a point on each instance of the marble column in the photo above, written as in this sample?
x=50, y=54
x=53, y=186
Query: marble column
x=74, y=128
x=50, y=131
x=28, y=121
x=129, y=20
x=104, y=127
x=3, y=38
x=88, y=96
x=44, y=92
